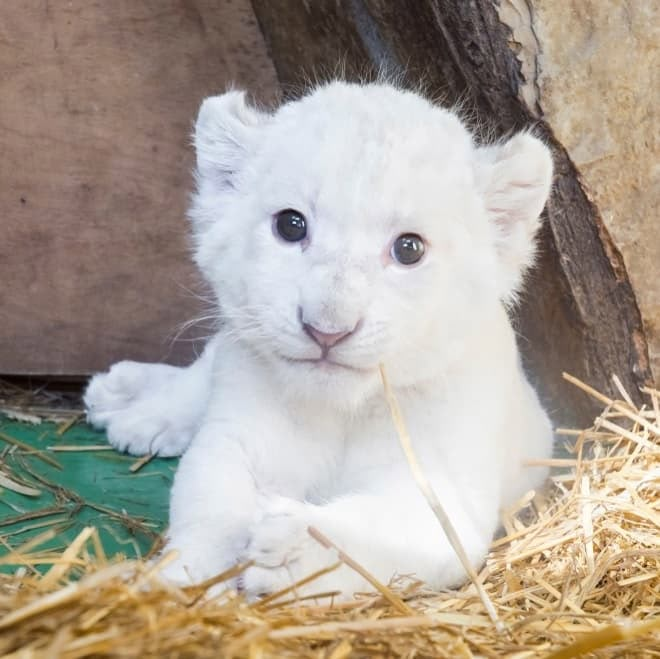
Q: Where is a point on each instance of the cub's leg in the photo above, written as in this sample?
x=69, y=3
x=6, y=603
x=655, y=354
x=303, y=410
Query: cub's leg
x=212, y=506
x=151, y=408
x=388, y=528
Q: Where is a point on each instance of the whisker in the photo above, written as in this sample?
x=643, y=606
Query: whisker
x=209, y=298
x=194, y=322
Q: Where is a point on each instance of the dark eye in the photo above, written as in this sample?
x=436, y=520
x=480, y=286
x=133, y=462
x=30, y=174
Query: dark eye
x=291, y=225
x=408, y=248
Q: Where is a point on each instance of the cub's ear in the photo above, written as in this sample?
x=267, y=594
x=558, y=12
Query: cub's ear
x=515, y=179
x=224, y=133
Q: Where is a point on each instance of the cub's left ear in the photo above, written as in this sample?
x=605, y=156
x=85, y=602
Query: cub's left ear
x=515, y=179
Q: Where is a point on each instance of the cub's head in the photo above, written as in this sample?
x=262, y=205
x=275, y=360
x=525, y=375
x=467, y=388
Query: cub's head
x=359, y=225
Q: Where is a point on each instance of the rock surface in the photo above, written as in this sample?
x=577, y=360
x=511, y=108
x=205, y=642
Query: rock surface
x=591, y=68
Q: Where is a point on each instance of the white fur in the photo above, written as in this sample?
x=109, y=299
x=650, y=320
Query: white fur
x=282, y=443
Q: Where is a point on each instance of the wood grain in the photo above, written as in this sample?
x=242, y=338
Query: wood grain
x=97, y=104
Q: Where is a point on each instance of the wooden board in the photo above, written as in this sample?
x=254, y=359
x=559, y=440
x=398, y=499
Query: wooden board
x=97, y=101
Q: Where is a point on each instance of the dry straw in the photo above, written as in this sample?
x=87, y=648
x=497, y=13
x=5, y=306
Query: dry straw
x=575, y=573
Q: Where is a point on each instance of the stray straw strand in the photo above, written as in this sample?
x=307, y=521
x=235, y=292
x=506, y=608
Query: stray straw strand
x=433, y=500
x=393, y=599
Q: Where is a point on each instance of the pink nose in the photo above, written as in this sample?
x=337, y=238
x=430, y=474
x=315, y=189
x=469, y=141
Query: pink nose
x=325, y=339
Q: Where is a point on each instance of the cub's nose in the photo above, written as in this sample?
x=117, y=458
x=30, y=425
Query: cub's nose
x=325, y=339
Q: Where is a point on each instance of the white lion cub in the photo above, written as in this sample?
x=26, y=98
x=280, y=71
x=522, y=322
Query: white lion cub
x=356, y=226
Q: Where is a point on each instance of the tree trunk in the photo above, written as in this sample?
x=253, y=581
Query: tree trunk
x=579, y=313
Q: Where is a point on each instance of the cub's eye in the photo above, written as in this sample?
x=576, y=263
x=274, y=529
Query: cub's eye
x=408, y=248
x=291, y=225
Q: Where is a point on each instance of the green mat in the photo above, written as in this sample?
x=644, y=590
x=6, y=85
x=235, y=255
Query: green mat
x=78, y=488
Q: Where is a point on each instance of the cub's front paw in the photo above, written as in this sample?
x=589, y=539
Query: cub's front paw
x=141, y=409
x=195, y=563
x=282, y=550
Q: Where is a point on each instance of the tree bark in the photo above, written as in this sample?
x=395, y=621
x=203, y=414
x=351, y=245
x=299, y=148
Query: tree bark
x=579, y=313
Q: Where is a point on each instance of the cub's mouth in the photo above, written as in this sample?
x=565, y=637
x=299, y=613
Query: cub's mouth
x=326, y=363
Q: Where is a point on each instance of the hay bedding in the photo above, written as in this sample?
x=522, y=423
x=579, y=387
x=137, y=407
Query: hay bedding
x=576, y=573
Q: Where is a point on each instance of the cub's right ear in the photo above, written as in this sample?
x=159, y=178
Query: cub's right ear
x=224, y=133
